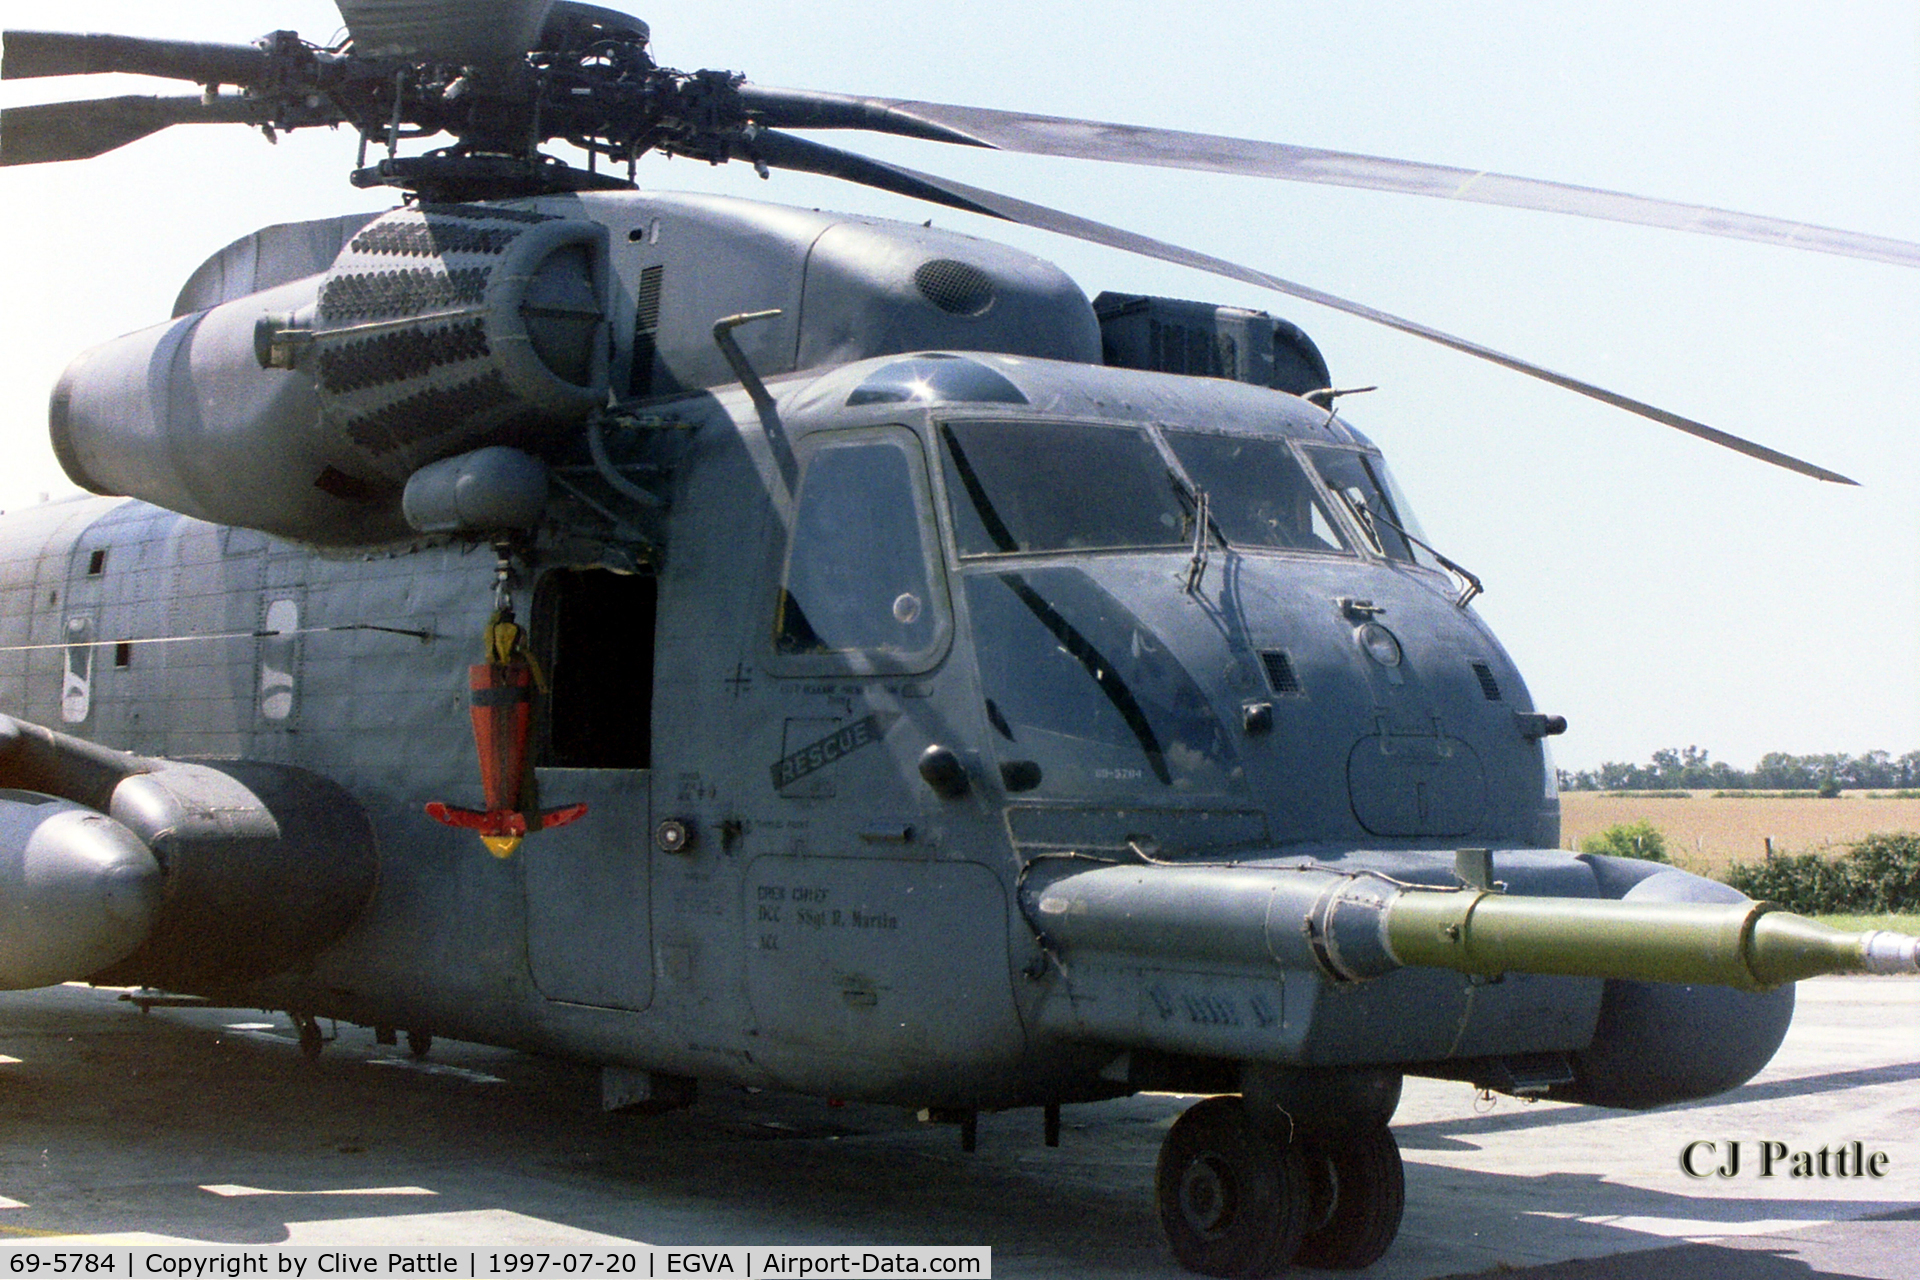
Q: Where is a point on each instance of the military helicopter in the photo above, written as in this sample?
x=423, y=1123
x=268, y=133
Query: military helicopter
x=876, y=670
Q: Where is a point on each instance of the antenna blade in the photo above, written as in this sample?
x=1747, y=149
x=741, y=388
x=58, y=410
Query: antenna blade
x=81, y=130
x=960, y=195
x=479, y=33
x=1169, y=148
x=30, y=55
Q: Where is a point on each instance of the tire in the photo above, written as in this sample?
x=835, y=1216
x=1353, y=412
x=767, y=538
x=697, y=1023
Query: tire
x=311, y=1041
x=1357, y=1192
x=1232, y=1199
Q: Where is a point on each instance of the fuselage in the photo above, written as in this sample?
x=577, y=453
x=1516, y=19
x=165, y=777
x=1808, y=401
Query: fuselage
x=769, y=673
x=844, y=666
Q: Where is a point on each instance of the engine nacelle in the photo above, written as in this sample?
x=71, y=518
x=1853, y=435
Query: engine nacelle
x=301, y=410
x=441, y=329
x=313, y=369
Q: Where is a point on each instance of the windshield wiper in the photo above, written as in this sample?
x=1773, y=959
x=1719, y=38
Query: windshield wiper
x=1197, y=567
x=990, y=521
x=1365, y=516
x=1202, y=524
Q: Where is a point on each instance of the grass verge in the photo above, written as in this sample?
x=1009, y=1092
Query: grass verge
x=1857, y=924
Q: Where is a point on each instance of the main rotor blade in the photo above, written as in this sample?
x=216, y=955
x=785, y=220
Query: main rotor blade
x=817, y=159
x=784, y=151
x=29, y=55
x=80, y=130
x=480, y=33
x=1169, y=148
x=812, y=109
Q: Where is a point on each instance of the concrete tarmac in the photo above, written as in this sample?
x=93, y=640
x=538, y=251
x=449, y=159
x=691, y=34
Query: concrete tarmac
x=209, y=1127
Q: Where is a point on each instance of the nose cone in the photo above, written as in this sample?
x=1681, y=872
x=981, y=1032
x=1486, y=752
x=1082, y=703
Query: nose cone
x=78, y=891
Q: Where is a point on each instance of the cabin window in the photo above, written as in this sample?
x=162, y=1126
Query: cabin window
x=859, y=578
x=279, y=635
x=76, y=677
x=593, y=633
x=1025, y=488
x=1257, y=493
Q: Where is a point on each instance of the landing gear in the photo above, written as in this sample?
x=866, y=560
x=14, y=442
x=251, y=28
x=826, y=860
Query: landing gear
x=1233, y=1197
x=311, y=1041
x=1238, y=1197
x=1357, y=1190
x=419, y=1043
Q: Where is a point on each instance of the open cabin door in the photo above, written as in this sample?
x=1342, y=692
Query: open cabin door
x=588, y=905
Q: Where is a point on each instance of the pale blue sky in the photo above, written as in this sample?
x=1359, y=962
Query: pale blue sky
x=1655, y=590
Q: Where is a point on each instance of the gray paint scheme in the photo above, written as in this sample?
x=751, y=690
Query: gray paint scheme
x=953, y=721
x=942, y=741
x=855, y=935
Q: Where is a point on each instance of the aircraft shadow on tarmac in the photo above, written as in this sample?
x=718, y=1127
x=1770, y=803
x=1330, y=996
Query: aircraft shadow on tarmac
x=115, y=1122
x=1437, y=1135
x=1753, y=1261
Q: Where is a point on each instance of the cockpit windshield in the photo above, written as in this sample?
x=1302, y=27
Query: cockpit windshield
x=1023, y=488
x=1257, y=493
x=1037, y=488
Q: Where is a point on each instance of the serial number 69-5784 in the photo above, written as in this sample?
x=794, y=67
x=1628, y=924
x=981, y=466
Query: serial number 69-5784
x=62, y=1264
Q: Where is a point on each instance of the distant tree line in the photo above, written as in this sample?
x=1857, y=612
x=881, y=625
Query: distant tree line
x=1691, y=769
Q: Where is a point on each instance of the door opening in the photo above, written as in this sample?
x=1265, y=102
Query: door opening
x=593, y=632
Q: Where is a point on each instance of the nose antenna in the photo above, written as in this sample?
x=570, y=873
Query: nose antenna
x=1325, y=396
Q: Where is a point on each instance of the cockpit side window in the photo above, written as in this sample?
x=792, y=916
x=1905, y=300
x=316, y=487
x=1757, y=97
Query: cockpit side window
x=1025, y=488
x=1361, y=484
x=1257, y=493
x=861, y=584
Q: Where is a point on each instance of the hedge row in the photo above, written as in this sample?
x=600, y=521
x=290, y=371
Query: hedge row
x=1878, y=873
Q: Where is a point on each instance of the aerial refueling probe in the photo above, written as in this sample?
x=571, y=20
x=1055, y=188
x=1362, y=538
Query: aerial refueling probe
x=1355, y=926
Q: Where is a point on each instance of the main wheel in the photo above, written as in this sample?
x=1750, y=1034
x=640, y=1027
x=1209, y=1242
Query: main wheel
x=1357, y=1192
x=1232, y=1199
x=311, y=1041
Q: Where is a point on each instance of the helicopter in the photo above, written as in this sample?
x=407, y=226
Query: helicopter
x=899, y=676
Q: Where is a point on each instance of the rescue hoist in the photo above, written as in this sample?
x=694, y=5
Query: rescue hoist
x=500, y=702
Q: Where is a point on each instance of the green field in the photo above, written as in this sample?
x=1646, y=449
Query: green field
x=1857, y=924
